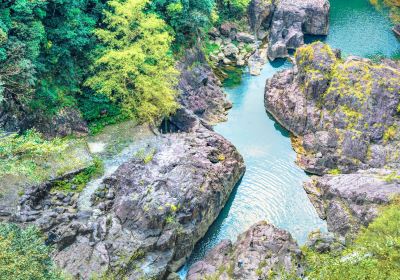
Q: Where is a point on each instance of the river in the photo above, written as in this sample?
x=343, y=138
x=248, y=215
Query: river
x=271, y=188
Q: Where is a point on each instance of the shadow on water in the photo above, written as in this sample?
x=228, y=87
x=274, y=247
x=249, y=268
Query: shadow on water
x=210, y=238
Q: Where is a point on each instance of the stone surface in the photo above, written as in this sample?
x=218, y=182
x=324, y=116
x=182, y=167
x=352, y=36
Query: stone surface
x=343, y=113
x=200, y=89
x=262, y=252
x=147, y=216
x=260, y=15
x=291, y=20
x=349, y=201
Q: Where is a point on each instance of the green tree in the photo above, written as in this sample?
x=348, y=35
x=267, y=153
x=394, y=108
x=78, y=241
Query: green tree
x=232, y=9
x=136, y=68
x=188, y=18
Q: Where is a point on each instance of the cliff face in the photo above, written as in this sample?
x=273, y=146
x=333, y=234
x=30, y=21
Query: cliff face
x=343, y=113
x=344, y=117
x=284, y=23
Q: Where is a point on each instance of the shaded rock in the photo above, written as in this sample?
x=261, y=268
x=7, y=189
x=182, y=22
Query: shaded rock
x=291, y=20
x=159, y=209
x=261, y=252
x=66, y=122
x=260, y=15
x=228, y=29
x=245, y=38
x=344, y=113
x=200, y=88
x=349, y=201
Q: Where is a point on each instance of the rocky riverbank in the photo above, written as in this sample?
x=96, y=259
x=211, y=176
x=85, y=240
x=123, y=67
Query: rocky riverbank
x=343, y=114
x=146, y=216
x=262, y=252
x=275, y=28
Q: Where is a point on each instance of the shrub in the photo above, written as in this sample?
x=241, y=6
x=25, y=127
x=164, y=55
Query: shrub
x=375, y=253
x=24, y=256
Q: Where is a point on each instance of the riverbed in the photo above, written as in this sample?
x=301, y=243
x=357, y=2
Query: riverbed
x=272, y=189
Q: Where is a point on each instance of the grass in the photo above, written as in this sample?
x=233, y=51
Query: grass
x=31, y=157
x=374, y=255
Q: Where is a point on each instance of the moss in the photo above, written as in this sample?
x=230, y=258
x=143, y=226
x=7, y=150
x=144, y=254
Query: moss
x=392, y=177
x=145, y=156
x=390, y=133
x=335, y=171
x=80, y=180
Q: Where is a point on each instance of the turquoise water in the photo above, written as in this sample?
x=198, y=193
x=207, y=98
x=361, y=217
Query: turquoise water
x=272, y=189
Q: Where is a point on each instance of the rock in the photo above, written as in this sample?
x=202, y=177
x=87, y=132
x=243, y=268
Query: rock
x=349, y=201
x=245, y=38
x=200, y=88
x=324, y=242
x=228, y=29
x=343, y=113
x=214, y=33
x=67, y=121
x=230, y=51
x=260, y=252
x=291, y=20
x=257, y=60
x=160, y=208
x=260, y=15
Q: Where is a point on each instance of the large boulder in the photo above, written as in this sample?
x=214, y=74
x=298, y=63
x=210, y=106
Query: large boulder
x=292, y=19
x=147, y=216
x=343, y=114
x=262, y=252
x=350, y=201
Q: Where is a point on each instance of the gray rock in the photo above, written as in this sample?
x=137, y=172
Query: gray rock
x=245, y=37
x=291, y=20
x=343, y=113
x=260, y=15
x=160, y=210
x=200, y=90
x=349, y=201
x=260, y=252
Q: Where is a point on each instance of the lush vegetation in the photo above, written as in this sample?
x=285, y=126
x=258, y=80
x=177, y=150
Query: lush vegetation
x=30, y=157
x=24, y=255
x=375, y=253
x=99, y=56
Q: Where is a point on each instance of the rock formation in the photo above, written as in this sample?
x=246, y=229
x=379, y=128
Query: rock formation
x=343, y=113
x=286, y=22
x=349, y=201
x=148, y=215
x=200, y=90
x=262, y=252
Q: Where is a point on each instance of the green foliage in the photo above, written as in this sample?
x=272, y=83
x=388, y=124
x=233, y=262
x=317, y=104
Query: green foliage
x=44, y=49
x=80, y=180
x=99, y=111
x=188, y=18
x=24, y=256
x=374, y=255
x=137, y=54
x=29, y=158
x=18, y=152
x=232, y=9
